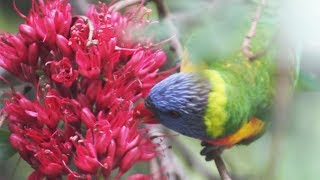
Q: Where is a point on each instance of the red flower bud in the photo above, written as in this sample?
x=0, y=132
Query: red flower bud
x=17, y=142
x=129, y=159
x=89, y=66
x=87, y=117
x=86, y=159
x=135, y=59
x=28, y=32
x=83, y=100
x=122, y=141
x=20, y=47
x=33, y=53
x=101, y=136
x=48, y=117
x=94, y=89
x=109, y=160
x=145, y=156
x=133, y=143
x=36, y=175
x=70, y=110
x=63, y=45
x=51, y=169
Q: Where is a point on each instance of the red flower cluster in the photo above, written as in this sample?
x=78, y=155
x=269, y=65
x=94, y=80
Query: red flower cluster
x=89, y=73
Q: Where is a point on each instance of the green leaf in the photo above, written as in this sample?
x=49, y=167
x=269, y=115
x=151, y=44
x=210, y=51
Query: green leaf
x=6, y=150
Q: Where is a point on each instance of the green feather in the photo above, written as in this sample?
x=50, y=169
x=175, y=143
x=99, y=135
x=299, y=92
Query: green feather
x=249, y=90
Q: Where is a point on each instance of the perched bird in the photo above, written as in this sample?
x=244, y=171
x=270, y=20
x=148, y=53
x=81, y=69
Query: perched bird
x=223, y=104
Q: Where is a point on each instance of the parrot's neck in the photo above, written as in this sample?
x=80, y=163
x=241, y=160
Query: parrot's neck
x=216, y=116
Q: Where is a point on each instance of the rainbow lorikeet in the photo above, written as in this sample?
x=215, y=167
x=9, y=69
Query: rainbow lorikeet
x=223, y=104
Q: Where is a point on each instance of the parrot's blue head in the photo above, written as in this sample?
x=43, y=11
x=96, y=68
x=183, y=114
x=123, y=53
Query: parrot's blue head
x=179, y=102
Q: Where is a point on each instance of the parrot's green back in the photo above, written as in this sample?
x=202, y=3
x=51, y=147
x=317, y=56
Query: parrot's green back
x=241, y=90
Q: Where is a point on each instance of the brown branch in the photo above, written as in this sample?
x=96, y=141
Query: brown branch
x=164, y=15
x=214, y=152
x=224, y=174
x=163, y=10
x=246, y=49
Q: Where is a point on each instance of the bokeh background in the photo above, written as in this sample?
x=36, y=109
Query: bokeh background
x=214, y=29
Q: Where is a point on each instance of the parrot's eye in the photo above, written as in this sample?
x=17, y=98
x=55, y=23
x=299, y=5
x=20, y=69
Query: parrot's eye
x=192, y=100
x=149, y=104
x=174, y=114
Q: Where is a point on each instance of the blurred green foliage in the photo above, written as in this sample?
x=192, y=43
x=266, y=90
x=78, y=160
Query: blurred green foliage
x=6, y=150
x=8, y=17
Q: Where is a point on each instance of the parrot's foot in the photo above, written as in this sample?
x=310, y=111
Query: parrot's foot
x=210, y=151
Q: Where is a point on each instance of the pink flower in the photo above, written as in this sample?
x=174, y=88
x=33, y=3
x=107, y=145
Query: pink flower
x=63, y=72
x=88, y=75
x=89, y=64
x=86, y=158
x=13, y=53
x=46, y=20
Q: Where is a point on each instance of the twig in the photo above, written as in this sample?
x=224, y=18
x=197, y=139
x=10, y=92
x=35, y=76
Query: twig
x=163, y=13
x=90, y=40
x=126, y=3
x=162, y=8
x=214, y=152
x=221, y=166
x=246, y=50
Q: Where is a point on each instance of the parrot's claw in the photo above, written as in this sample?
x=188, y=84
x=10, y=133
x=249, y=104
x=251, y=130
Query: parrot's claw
x=210, y=151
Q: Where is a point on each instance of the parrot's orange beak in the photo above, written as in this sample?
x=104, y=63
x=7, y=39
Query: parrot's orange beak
x=143, y=114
